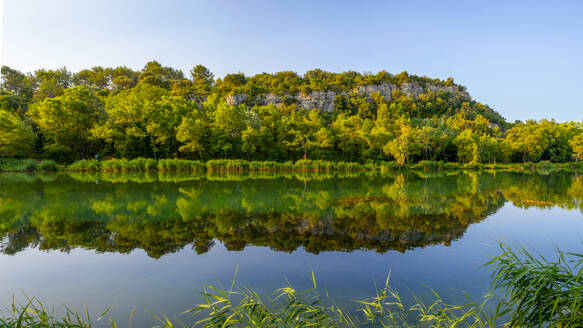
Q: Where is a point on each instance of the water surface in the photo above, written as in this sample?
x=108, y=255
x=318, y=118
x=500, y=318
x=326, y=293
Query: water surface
x=149, y=241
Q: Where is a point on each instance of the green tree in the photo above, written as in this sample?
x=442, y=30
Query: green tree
x=163, y=118
x=17, y=83
x=65, y=122
x=16, y=137
x=193, y=132
x=97, y=77
x=467, y=144
x=203, y=81
x=155, y=74
x=51, y=83
x=526, y=141
x=131, y=116
x=405, y=144
x=577, y=144
x=307, y=132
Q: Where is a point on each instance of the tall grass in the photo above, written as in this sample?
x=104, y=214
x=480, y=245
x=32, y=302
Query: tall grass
x=183, y=165
x=12, y=165
x=238, y=165
x=26, y=165
x=289, y=307
x=85, y=166
x=35, y=314
x=231, y=165
x=540, y=292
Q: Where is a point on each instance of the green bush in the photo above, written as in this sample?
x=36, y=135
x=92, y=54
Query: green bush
x=430, y=165
x=114, y=165
x=141, y=164
x=85, y=166
x=47, y=166
x=387, y=166
x=546, y=165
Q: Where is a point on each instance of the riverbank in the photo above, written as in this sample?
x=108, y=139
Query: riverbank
x=237, y=165
x=27, y=165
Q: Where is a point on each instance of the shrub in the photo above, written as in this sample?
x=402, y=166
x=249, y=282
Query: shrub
x=546, y=165
x=114, y=165
x=387, y=166
x=47, y=166
x=85, y=166
x=141, y=164
x=430, y=165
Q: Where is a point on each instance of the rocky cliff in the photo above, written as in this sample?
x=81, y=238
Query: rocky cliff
x=325, y=100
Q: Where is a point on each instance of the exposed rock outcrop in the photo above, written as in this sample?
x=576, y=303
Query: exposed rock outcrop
x=325, y=100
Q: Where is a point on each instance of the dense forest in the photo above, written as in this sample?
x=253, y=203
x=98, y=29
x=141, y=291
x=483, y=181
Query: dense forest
x=159, y=112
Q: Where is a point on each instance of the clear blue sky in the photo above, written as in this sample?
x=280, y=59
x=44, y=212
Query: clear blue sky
x=525, y=59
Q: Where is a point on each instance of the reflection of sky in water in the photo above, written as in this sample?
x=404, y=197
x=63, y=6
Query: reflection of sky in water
x=170, y=284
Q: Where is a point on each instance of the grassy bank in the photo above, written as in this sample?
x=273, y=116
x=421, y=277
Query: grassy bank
x=236, y=165
x=534, y=292
x=27, y=165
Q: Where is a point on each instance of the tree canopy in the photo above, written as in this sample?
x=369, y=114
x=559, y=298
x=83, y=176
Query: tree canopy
x=160, y=112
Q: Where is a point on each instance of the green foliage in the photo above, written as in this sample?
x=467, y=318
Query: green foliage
x=10, y=164
x=577, y=144
x=85, y=166
x=47, y=166
x=540, y=292
x=158, y=112
x=227, y=165
x=16, y=137
x=430, y=165
x=66, y=121
x=166, y=165
x=35, y=314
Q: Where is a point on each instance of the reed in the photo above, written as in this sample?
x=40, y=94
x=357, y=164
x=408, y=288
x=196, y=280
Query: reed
x=307, y=165
x=232, y=165
x=540, y=292
x=85, y=166
x=35, y=314
x=114, y=165
x=140, y=164
x=180, y=165
x=266, y=166
x=14, y=165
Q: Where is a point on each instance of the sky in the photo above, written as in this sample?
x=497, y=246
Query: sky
x=522, y=58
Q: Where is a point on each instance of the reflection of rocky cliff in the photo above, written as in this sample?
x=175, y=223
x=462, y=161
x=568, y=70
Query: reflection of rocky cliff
x=383, y=213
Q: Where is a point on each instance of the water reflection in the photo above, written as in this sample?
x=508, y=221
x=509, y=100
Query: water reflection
x=163, y=213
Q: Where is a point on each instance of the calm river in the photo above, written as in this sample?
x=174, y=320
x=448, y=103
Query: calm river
x=149, y=242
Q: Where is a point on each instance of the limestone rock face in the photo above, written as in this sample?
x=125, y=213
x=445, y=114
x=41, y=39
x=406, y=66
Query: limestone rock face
x=325, y=100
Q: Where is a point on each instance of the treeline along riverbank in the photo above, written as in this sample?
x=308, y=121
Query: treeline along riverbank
x=159, y=112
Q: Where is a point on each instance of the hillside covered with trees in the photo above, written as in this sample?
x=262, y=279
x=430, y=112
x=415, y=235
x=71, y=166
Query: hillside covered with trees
x=160, y=112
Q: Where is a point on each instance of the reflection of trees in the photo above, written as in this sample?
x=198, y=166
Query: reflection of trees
x=397, y=212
